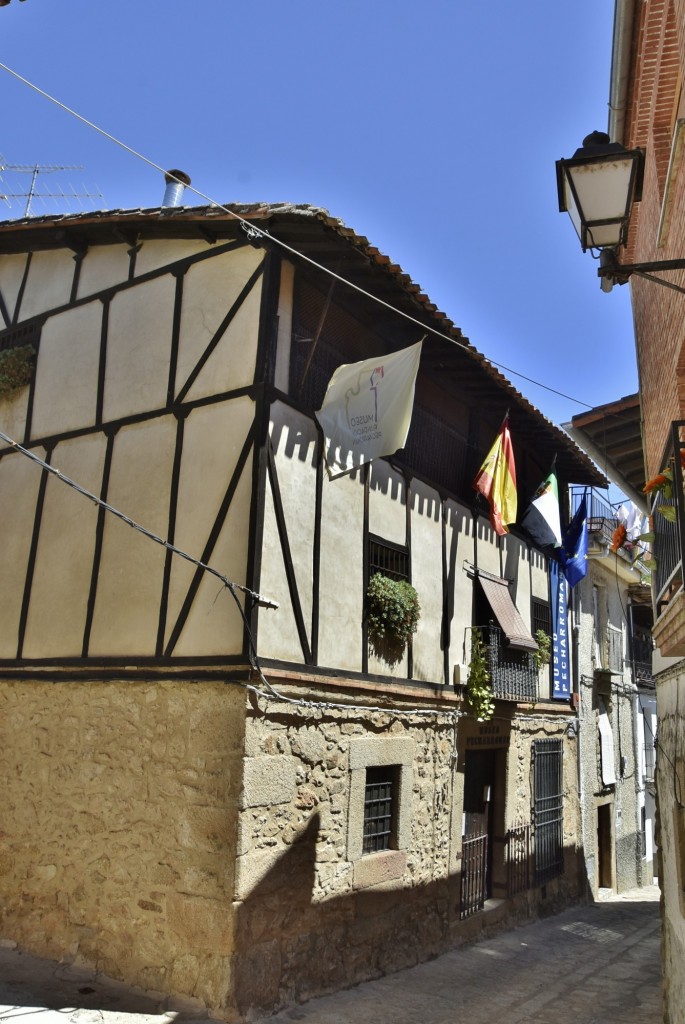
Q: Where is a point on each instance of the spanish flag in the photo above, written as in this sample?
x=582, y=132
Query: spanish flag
x=496, y=481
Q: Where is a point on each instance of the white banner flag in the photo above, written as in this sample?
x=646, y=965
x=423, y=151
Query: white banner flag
x=367, y=409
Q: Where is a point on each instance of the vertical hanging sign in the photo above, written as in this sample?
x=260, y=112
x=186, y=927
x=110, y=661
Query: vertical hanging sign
x=561, y=672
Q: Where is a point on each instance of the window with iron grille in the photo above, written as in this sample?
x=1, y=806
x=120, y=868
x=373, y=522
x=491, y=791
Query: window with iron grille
x=549, y=809
x=380, y=796
x=16, y=337
x=542, y=617
x=391, y=560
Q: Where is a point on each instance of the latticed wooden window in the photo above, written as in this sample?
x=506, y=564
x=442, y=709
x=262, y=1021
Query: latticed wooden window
x=379, y=808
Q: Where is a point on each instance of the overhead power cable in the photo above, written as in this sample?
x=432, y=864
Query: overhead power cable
x=264, y=601
x=269, y=693
x=259, y=232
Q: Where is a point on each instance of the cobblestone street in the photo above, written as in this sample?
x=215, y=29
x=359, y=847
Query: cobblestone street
x=597, y=964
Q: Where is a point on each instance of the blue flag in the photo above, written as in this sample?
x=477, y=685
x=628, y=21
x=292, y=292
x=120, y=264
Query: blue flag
x=573, y=551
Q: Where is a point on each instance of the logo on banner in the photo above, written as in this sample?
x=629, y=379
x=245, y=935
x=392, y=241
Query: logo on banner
x=362, y=418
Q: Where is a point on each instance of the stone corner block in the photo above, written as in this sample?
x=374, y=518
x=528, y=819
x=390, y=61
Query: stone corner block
x=268, y=780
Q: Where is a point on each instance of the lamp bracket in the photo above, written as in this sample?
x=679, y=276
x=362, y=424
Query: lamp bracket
x=612, y=272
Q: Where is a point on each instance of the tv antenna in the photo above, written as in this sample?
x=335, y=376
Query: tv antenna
x=32, y=191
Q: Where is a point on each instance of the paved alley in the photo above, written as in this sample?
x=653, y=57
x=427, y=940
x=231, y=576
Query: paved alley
x=597, y=964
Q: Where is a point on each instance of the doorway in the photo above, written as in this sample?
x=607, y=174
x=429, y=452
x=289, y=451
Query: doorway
x=477, y=842
x=605, y=841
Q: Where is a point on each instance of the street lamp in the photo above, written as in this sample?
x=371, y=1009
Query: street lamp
x=597, y=188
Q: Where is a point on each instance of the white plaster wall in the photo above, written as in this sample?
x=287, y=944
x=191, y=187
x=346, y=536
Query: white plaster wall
x=19, y=481
x=138, y=348
x=11, y=275
x=49, y=282
x=426, y=549
x=156, y=253
x=460, y=548
x=102, y=267
x=127, y=604
x=387, y=503
x=517, y=568
x=213, y=438
x=342, y=580
x=294, y=438
x=285, y=324
x=488, y=555
x=67, y=371
x=64, y=559
x=214, y=625
x=388, y=519
x=210, y=288
x=13, y=409
x=539, y=576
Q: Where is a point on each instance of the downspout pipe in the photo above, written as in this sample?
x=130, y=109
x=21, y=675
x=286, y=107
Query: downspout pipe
x=624, y=18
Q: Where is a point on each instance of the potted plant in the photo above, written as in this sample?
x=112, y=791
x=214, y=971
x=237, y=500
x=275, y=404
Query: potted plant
x=542, y=655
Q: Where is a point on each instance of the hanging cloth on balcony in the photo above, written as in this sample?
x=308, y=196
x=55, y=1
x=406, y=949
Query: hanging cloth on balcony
x=606, y=746
x=507, y=614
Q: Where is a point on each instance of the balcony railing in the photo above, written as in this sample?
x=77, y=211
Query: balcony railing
x=602, y=520
x=513, y=674
x=642, y=648
x=669, y=533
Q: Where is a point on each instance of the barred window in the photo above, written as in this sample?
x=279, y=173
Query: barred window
x=391, y=560
x=549, y=809
x=380, y=797
x=541, y=616
x=16, y=337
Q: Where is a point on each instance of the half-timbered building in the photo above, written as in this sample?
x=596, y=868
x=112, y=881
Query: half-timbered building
x=204, y=793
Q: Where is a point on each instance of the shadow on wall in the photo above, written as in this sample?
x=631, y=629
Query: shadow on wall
x=294, y=948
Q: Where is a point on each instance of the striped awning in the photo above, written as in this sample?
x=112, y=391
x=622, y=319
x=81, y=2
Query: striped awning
x=507, y=614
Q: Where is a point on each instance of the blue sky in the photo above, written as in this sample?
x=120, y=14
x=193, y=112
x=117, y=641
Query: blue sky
x=430, y=128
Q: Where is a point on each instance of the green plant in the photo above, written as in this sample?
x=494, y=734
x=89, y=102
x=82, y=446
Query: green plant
x=16, y=367
x=544, y=650
x=478, y=688
x=392, y=615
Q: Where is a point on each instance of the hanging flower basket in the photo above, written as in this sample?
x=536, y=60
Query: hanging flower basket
x=392, y=615
x=16, y=368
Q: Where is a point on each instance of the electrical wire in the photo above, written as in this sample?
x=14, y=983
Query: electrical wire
x=270, y=693
x=229, y=584
x=255, y=232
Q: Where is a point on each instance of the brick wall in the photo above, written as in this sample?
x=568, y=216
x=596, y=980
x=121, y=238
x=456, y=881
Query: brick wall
x=655, y=102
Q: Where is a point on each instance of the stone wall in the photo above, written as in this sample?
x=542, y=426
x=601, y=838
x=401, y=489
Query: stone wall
x=312, y=914
x=118, y=826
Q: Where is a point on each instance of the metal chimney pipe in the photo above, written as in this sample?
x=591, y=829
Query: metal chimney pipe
x=174, y=189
